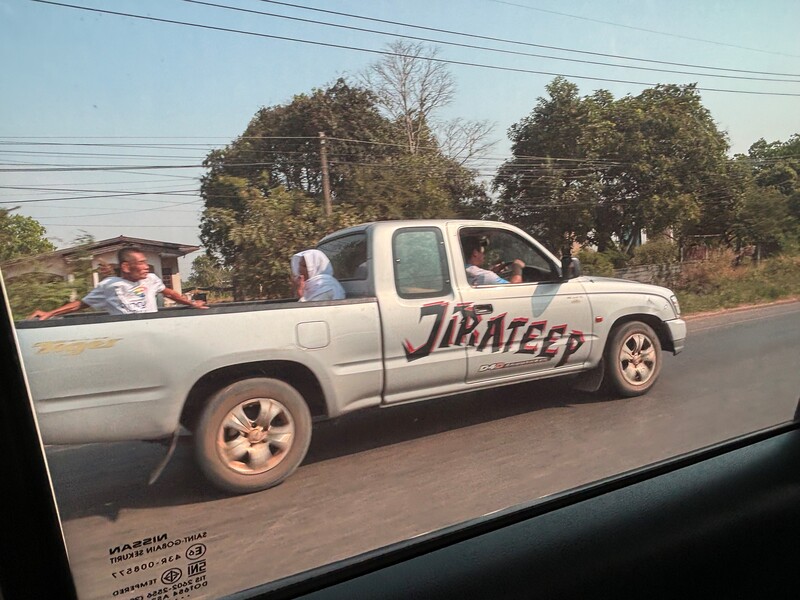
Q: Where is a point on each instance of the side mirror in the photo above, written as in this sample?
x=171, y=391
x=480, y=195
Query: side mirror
x=570, y=267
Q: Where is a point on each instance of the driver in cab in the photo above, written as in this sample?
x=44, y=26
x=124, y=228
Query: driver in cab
x=474, y=255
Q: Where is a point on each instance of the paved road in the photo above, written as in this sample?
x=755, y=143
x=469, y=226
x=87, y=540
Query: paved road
x=378, y=477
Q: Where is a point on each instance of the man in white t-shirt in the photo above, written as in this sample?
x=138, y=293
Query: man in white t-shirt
x=134, y=291
x=474, y=256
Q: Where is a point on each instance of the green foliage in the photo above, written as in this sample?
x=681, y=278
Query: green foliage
x=39, y=290
x=281, y=148
x=265, y=188
x=594, y=169
x=769, y=210
x=208, y=273
x=45, y=291
x=717, y=284
x=423, y=186
x=618, y=258
x=764, y=218
x=281, y=145
x=266, y=231
x=547, y=196
x=595, y=263
x=21, y=236
x=660, y=251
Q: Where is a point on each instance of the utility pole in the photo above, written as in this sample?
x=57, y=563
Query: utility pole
x=326, y=180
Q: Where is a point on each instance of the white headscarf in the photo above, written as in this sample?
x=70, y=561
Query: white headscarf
x=321, y=284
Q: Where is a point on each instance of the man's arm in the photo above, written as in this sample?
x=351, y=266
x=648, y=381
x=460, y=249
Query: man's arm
x=516, y=269
x=180, y=298
x=69, y=307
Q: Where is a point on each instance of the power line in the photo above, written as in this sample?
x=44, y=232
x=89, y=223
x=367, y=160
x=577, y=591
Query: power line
x=520, y=43
x=389, y=161
x=388, y=53
x=137, y=210
x=59, y=189
x=684, y=37
x=166, y=208
x=373, y=143
x=70, y=183
x=104, y=168
x=94, y=154
x=137, y=226
x=105, y=195
x=484, y=48
x=118, y=145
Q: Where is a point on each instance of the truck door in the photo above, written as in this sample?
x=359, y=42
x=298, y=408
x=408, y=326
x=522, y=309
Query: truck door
x=415, y=316
x=516, y=330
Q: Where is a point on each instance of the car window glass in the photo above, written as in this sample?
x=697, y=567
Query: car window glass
x=502, y=247
x=348, y=255
x=419, y=266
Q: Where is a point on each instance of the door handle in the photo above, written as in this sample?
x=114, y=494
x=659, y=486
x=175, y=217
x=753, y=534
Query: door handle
x=483, y=309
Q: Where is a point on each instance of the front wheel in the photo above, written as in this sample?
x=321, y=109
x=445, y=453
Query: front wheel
x=252, y=435
x=633, y=358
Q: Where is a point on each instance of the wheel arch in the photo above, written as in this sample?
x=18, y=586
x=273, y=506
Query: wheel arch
x=295, y=374
x=654, y=322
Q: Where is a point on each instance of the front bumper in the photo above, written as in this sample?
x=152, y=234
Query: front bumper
x=676, y=329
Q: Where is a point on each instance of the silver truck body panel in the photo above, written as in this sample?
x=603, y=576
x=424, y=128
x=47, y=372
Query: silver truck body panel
x=135, y=385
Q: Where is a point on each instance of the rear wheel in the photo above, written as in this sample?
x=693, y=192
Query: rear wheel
x=252, y=435
x=633, y=358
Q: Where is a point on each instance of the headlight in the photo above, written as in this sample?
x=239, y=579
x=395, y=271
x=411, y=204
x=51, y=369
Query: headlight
x=675, y=305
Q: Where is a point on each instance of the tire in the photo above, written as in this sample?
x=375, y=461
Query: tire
x=633, y=359
x=252, y=435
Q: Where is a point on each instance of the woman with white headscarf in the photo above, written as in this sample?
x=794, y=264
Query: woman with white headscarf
x=312, y=274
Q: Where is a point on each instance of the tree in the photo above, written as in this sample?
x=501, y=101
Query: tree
x=764, y=220
x=464, y=141
x=265, y=231
x=280, y=148
x=410, y=85
x=776, y=166
x=594, y=169
x=423, y=186
x=271, y=177
x=21, y=236
x=672, y=162
x=208, y=273
x=41, y=290
x=281, y=144
x=550, y=186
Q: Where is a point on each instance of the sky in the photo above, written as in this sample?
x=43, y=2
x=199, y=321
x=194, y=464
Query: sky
x=105, y=119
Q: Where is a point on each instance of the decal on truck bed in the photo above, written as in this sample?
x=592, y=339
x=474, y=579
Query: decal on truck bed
x=467, y=328
x=74, y=347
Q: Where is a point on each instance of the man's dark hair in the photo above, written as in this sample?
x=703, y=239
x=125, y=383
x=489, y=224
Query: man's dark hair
x=470, y=244
x=124, y=255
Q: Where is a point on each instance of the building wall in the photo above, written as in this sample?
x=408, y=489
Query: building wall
x=54, y=266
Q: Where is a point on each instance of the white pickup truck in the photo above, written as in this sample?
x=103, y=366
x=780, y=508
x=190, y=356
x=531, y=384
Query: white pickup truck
x=248, y=379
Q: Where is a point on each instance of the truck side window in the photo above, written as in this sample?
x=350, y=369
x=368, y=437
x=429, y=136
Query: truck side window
x=500, y=247
x=348, y=255
x=420, y=264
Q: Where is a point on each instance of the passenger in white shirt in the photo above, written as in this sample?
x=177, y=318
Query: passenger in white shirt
x=133, y=291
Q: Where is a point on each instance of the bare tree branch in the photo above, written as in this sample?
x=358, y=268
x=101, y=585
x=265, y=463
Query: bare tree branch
x=465, y=141
x=410, y=87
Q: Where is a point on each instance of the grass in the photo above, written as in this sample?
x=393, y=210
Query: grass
x=716, y=284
